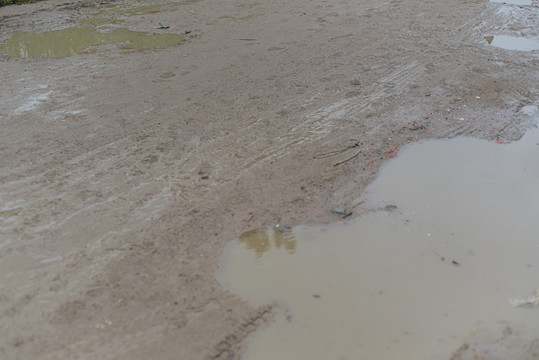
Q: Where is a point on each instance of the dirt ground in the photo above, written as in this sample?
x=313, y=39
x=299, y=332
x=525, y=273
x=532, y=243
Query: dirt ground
x=125, y=173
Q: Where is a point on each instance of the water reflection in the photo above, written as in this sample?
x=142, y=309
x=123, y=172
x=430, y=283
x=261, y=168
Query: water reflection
x=263, y=240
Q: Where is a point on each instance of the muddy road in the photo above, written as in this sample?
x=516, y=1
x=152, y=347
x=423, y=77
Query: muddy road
x=125, y=172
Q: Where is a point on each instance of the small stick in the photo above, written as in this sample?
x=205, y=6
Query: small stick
x=350, y=158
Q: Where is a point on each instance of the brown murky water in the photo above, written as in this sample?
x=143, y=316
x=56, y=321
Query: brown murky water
x=413, y=280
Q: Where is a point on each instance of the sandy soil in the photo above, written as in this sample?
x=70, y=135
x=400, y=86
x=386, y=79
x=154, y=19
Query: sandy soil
x=124, y=174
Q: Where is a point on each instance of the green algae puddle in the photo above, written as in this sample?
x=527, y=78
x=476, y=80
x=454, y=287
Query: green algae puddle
x=80, y=40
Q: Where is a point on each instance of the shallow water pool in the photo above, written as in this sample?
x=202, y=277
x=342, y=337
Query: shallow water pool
x=453, y=239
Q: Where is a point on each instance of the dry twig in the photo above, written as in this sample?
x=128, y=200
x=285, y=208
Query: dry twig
x=349, y=144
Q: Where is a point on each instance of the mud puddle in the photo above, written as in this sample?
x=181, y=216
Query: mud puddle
x=102, y=26
x=513, y=42
x=451, y=241
x=81, y=40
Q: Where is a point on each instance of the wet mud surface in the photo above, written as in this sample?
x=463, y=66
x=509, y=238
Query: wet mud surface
x=125, y=173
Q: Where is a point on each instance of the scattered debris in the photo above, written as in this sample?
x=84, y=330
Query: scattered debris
x=316, y=296
x=161, y=26
x=442, y=258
